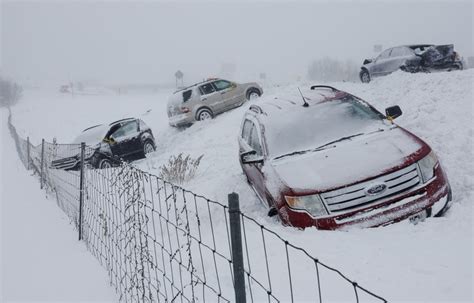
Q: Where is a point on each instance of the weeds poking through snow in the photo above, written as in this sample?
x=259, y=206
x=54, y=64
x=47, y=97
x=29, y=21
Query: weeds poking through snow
x=180, y=169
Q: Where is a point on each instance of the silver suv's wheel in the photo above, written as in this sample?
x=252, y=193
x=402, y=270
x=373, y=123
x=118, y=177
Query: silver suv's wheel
x=364, y=76
x=204, y=114
x=253, y=94
x=105, y=163
x=148, y=147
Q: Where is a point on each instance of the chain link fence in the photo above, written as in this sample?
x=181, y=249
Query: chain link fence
x=162, y=243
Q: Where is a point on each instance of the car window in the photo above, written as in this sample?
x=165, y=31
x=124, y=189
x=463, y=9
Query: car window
x=207, y=88
x=385, y=54
x=400, y=51
x=187, y=95
x=395, y=52
x=127, y=129
x=222, y=84
x=143, y=125
x=255, y=140
x=246, y=130
x=405, y=51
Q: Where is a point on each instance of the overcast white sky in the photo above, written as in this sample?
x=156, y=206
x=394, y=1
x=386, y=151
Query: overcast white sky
x=146, y=41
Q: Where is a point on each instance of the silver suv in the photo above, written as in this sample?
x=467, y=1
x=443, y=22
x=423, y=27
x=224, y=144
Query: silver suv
x=206, y=99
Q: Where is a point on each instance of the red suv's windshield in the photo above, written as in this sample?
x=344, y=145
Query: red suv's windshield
x=312, y=127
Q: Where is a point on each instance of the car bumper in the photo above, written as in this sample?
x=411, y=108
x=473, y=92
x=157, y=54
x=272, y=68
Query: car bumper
x=181, y=120
x=69, y=163
x=433, y=198
x=449, y=66
x=398, y=211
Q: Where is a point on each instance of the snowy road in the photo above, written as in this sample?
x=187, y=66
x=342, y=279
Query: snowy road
x=42, y=260
x=429, y=262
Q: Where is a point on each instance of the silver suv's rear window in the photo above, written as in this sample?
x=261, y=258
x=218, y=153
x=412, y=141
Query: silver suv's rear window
x=187, y=95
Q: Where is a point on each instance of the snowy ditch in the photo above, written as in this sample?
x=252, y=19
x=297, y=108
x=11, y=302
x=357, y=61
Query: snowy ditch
x=402, y=262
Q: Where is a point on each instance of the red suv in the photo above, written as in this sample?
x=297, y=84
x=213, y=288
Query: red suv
x=328, y=159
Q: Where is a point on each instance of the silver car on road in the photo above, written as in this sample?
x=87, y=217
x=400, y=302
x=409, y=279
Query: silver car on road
x=412, y=58
x=206, y=99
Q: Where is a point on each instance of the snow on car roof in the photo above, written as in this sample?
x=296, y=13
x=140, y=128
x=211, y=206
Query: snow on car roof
x=294, y=101
x=331, y=115
x=92, y=135
x=413, y=46
x=96, y=133
x=195, y=84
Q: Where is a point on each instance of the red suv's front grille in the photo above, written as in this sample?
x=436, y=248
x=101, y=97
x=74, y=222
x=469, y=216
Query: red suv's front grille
x=351, y=197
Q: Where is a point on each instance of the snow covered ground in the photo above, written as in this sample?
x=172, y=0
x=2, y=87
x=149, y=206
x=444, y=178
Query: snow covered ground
x=429, y=262
x=42, y=260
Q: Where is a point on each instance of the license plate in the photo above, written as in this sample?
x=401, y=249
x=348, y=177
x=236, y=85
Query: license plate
x=418, y=217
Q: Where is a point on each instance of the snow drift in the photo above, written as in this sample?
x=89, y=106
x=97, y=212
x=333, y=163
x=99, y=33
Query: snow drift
x=431, y=261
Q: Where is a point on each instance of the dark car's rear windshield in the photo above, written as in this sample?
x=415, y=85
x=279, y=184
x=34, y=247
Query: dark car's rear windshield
x=307, y=128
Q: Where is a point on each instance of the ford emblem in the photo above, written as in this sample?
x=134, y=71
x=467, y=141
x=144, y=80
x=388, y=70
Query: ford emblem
x=376, y=189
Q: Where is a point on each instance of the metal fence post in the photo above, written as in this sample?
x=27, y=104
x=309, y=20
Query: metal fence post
x=81, y=189
x=28, y=153
x=42, y=164
x=237, y=254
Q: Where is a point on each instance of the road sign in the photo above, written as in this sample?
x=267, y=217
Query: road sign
x=179, y=74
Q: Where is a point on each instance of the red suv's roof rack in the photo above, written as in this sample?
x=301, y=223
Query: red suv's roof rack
x=324, y=86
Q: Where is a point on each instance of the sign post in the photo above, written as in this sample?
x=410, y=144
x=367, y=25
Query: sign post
x=179, y=76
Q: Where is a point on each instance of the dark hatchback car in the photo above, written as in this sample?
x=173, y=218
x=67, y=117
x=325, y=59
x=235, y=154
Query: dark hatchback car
x=333, y=161
x=127, y=139
x=411, y=58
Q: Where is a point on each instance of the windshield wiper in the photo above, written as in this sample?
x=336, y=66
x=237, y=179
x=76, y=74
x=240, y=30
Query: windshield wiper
x=324, y=146
x=338, y=140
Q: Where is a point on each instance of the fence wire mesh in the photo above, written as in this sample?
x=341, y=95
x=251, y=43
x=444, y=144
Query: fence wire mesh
x=162, y=243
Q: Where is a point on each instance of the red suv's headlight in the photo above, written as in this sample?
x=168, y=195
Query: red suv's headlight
x=313, y=204
x=427, y=165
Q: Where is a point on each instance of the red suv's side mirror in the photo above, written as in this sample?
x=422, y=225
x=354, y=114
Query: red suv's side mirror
x=393, y=112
